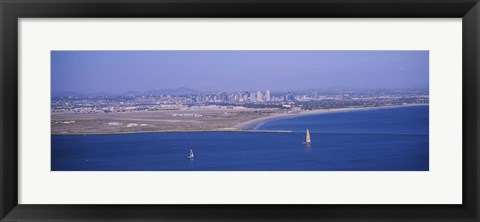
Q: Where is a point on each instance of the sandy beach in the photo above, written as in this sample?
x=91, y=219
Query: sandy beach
x=251, y=124
x=190, y=120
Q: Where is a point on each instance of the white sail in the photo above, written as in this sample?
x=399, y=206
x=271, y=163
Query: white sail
x=190, y=155
x=307, y=139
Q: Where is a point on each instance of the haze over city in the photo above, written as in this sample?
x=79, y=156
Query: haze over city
x=121, y=71
x=239, y=111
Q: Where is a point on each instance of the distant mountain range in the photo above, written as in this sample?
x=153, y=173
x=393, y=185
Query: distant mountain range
x=153, y=92
x=66, y=93
x=177, y=91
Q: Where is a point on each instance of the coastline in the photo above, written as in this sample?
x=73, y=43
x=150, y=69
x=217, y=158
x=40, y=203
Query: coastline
x=250, y=125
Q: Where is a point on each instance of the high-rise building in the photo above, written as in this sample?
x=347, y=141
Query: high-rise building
x=253, y=97
x=239, y=97
x=289, y=97
x=267, y=95
x=223, y=96
x=245, y=96
x=259, y=96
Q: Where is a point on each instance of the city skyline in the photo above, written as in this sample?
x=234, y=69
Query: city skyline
x=117, y=72
x=194, y=91
x=292, y=101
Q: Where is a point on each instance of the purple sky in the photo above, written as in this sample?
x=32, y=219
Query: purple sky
x=121, y=71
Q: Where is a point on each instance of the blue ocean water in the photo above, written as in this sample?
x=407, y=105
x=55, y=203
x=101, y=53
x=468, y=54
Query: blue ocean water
x=394, y=139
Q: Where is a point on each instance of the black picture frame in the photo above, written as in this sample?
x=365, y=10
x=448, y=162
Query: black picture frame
x=12, y=10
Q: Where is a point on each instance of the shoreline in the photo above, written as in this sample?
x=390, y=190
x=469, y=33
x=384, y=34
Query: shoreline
x=250, y=125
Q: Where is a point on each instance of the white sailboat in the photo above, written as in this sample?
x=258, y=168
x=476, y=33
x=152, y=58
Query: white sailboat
x=307, y=138
x=190, y=156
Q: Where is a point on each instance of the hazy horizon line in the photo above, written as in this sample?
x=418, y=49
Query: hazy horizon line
x=242, y=90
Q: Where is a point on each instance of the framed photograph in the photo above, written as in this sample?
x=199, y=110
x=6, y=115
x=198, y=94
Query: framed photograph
x=376, y=120
x=225, y=110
